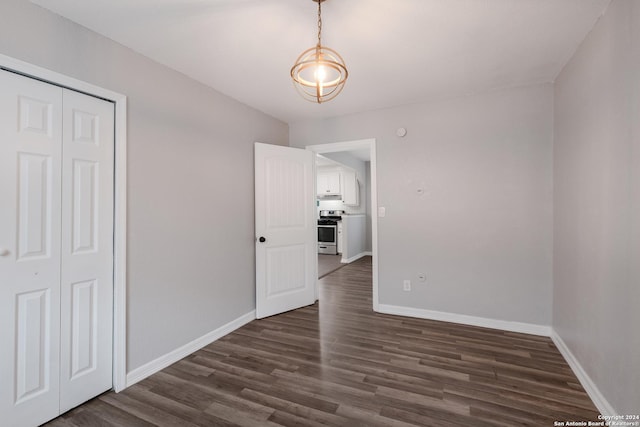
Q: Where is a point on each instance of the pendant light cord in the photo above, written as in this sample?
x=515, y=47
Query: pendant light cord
x=319, y=21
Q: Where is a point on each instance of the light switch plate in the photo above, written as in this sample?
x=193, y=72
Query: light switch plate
x=382, y=211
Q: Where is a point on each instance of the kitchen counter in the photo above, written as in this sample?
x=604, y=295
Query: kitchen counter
x=354, y=234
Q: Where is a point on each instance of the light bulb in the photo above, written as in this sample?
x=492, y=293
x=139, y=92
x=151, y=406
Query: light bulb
x=320, y=74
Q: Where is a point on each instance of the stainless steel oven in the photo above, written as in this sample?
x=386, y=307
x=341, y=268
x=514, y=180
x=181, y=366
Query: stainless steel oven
x=327, y=237
x=328, y=232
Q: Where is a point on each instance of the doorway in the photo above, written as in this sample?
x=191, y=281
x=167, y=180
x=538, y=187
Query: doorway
x=364, y=149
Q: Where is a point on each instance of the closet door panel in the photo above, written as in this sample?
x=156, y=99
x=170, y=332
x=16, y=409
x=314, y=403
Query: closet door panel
x=87, y=248
x=30, y=195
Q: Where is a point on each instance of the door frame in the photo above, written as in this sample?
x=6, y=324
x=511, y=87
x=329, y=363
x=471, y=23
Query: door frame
x=120, y=199
x=348, y=146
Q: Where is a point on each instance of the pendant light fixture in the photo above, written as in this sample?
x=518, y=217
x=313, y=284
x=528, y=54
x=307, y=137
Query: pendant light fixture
x=319, y=73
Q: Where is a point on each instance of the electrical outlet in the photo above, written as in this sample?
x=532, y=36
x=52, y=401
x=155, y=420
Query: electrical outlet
x=422, y=277
x=406, y=285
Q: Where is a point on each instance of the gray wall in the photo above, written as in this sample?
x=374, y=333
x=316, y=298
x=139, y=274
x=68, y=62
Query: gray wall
x=482, y=231
x=190, y=262
x=596, y=306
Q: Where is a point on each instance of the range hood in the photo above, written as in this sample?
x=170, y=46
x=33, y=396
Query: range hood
x=329, y=197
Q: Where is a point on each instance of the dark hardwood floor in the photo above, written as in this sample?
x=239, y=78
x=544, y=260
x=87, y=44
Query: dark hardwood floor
x=339, y=363
x=328, y=264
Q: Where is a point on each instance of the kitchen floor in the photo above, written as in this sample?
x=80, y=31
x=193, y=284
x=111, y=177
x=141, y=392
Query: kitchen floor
x=328, y=264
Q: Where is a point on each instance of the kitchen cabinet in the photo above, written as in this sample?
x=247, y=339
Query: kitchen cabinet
x=328, y=183
x=339, y=238
x=350, y=188
x=354, y=236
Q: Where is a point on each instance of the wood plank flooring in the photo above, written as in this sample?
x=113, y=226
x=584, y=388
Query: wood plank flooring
x=338, y=363
x=328, y=264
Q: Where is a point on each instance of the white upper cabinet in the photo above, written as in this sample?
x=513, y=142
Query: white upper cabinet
x=339, y=181
x=350, y=188
x=328, y=183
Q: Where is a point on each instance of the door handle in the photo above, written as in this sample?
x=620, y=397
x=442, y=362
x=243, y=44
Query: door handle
x=4, y=252
x=262, y=239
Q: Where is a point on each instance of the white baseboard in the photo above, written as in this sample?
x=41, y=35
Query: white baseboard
x=172, y=357
x=589, y=386
x=355, y=258
x=505, y=325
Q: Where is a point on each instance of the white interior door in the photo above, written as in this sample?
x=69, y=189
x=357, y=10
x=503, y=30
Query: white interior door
x=286, y=244
x=87, y=249
x=56, y=249
x=30, y=164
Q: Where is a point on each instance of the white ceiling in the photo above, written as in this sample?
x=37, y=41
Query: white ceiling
x=363, y=154
x=323, y=161
x=397, y=51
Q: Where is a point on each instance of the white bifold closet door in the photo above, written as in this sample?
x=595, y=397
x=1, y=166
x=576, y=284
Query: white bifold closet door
x=56, y=249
